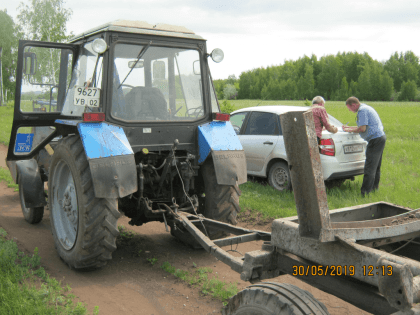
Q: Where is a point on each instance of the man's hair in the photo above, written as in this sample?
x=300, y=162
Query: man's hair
x=318, y=99
x=352, y=100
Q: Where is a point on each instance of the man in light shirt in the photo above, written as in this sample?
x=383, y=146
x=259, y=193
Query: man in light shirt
x=370, y=128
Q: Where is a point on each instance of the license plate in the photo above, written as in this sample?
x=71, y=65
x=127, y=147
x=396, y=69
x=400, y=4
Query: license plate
x=353, y=148
x=86, y=96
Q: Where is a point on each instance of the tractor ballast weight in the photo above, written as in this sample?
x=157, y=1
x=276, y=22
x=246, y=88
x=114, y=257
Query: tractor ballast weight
x=133, y=126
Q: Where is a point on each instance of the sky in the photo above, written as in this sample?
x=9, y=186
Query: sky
x=261, y=33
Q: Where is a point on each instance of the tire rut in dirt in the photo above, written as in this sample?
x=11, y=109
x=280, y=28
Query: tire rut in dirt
x=96, y=218
x=272, y=298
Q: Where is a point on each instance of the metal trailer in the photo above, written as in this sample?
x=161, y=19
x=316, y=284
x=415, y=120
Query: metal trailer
x=366, y=255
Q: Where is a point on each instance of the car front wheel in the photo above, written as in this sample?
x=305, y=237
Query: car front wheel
x=279, y=176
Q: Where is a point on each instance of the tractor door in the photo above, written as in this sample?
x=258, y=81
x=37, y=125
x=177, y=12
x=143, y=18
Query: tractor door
x=42, y=79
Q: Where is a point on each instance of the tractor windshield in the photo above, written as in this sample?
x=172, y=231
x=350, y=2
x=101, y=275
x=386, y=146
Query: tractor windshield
x=163, y=84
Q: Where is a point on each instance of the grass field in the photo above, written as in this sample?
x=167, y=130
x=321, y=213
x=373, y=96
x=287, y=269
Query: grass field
x=400, y=179
x=25, y=287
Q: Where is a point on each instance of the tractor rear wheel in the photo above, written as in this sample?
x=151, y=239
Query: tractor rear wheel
x=221, y=201
x=272, y=298
x=84, y=227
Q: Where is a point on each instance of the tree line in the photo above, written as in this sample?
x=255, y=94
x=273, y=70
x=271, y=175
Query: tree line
x=334, y=77
x=43, y=20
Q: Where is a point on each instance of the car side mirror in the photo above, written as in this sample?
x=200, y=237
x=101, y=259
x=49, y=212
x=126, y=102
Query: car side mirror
x=29, y=63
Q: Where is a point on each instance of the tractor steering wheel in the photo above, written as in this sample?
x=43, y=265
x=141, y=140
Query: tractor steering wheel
x=196, y=112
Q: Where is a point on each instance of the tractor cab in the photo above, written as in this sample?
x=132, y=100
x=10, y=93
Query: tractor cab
x=127, y=73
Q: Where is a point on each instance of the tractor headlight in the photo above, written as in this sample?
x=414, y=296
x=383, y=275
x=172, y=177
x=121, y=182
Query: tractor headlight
x=99, y=46
x=217, y=55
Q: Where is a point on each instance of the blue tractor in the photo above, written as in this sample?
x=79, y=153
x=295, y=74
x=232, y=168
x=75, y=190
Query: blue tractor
x=126, y=122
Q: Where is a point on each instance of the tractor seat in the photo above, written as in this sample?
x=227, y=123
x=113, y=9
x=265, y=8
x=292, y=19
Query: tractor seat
x=146, y=103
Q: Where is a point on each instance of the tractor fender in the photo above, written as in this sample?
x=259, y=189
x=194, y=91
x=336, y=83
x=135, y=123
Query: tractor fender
x=111, y=159
x=27, y=173
x=218, y=140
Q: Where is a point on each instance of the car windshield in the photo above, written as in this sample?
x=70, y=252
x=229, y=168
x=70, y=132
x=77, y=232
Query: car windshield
x=164, y=84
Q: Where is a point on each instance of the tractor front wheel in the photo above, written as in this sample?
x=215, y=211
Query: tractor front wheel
x=84, y=227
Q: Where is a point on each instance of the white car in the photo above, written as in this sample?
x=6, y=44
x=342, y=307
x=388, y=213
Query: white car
x=259, y=131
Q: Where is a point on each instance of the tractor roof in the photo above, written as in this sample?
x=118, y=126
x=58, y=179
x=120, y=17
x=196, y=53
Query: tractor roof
x=140, y=27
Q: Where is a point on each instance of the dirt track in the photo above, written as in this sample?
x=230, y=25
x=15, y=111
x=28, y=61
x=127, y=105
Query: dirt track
x=129, y=284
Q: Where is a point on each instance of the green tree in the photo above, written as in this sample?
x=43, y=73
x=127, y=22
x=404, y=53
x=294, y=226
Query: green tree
x=230, y=92
x=375, y=83
x=343, y=92
x=44, y=20
x=408, y=91
x=8, y=45
x=330, y=76
x=231, y=79
x=403, y=67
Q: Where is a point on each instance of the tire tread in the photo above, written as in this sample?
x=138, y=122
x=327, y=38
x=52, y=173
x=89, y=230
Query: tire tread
x=100, y=215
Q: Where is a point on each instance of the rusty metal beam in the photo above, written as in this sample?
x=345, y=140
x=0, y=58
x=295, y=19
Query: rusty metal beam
x=306, y=173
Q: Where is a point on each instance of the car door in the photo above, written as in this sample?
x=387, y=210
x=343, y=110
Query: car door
x=258, y=139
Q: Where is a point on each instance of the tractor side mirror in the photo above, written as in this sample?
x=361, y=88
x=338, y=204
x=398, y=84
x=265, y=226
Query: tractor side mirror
x=29, y=63
x=196, y=67
x=159, y=70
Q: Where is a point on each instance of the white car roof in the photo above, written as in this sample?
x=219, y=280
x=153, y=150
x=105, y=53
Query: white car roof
x=275, y=109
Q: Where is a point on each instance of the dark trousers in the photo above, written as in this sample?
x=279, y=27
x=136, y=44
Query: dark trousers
x=372, y=171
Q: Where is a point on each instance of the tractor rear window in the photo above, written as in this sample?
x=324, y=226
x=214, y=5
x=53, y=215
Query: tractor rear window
x=156, y=84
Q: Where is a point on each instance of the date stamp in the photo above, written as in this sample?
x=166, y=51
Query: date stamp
x=339, y=270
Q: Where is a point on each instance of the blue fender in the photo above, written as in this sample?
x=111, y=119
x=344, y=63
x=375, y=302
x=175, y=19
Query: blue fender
x=110, y=157
x=218, y=139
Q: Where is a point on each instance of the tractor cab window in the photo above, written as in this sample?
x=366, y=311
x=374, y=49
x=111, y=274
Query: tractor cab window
x=152, y=83
x=84, y=91
x=45, y=78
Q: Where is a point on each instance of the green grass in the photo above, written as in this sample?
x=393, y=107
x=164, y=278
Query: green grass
x=200, y=278
x=6, y=120
x=5, y=176
x=25, y=287
x=400, y=171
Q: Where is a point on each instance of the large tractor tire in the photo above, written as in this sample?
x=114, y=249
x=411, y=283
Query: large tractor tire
x=272, y=298
x=84, y=227
x=221, y=201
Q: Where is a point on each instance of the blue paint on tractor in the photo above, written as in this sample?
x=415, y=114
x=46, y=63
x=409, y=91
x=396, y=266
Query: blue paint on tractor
x=24, y=142
x=216, y=136
x=102, y=140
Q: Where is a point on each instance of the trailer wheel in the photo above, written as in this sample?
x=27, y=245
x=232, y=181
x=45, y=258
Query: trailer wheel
x=221, y=201
x=84, y=227
x=272, y=298
x=32, y=215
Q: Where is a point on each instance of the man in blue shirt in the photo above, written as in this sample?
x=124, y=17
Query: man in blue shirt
x=370, y=128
